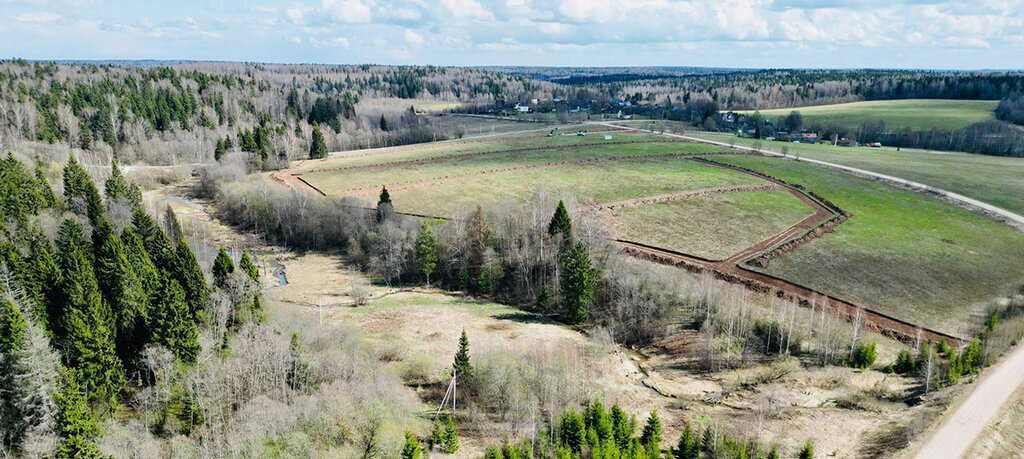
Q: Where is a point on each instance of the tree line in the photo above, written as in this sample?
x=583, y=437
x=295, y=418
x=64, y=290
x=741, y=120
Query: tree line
x=82, y=302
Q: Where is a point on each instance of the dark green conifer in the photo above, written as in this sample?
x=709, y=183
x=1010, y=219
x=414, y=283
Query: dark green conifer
x=578, y=281
x=463, y=368
x=172, y=324
x=561, y=223
x=192, y=280
x=222, y=268
x=249, y=268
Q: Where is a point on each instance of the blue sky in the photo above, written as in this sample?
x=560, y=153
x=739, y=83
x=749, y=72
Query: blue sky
x=725, y=33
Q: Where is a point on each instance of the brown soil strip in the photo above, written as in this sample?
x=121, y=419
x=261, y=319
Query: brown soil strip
x=646, y=201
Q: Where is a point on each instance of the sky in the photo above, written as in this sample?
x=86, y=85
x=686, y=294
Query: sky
x=978, y=34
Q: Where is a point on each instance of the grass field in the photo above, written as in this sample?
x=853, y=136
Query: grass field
x=333, y=181
x=903, y=253
x=995, y=180
x=922, y=114
x=713, y=226
x=471, y=146
x=589, y=183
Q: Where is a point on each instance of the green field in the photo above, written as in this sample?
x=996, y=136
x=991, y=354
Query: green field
x=994, y=180
x=903, y=253
x=713, y=226
x=332, y=182
x=589, y=184
x=922, y=114
x=472, y=146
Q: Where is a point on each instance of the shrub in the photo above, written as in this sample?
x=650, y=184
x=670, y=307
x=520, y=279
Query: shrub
x=863, y=356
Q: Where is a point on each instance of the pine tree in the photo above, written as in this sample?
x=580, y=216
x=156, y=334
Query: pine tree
x=172, y=324
x=450, y=438
x=192, y=280
x=383, y=123
x=807, y=452
x=578, y=281
x=561, y=223
x=74, y=420
x=412, y=448
x=651, y=434
x=463, y=368
x=384, y=206
x=249, y=268
x=426, y=251
x=317, y=148
x=222, y=268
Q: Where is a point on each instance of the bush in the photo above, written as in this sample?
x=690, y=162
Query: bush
x=904, y=363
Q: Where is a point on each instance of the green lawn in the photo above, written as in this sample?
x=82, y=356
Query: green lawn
x=909, y=113
x=994, y=180
x=713, y=226
x=903, y=253
x=333, y=182
x=589, y=184
x=912, y=114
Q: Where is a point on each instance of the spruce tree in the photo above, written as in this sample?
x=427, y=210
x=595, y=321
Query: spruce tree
x=463, y=368
x=561, y=223
x=773, y=453
x=42, y=278
x=29, y=369
x=807, y=452
x=384, y=206
x=621, y=425
x=83, y=330
x=145, y=271
x=48, y=198
x=74, y=420
x=317, y=148
x=222, y=268
x=651, y=434
x=689, y=445
x=578, y=281
x=117, y=187
x=426, y=251
x=383, y=123
x=450, y=438
x=478, y=233
x=126, y=295
x=249, y=267
x=172, y=323
x=79, y=185
x=192, y=280
x=412, y=448
x=154, y=240
x=220, y=150
x=572, y=431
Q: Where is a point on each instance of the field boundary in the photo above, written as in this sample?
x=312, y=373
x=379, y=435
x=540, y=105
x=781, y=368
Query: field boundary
x=646, y=201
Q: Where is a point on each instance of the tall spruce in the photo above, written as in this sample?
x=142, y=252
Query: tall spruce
x=222, y=268
x=47, y=196
x=83, y=330
x=78, y=185
x=29, y=369
x=462, y=365
x=317, y=147
x=651, y=434
x=125, y=294
x=157, y=245
x=75, y=424
x=42, y=277
x=478, y=234
x=384, y=206
x=190, y=275
x=117, y=187
x=426, y=251
x=578, y=280
x=561, y=223
x=173, y=324
x=807, y=452
x=249, y=267
x=412, y=448
x=689, y=445
x=220, y=150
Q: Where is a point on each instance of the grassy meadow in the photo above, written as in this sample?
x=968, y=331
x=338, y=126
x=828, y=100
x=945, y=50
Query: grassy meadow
x=990, y=179
x=903, y=253
x=924, y=114
x=713, y=226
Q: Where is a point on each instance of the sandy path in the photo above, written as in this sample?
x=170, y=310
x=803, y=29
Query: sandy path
x=963, y=426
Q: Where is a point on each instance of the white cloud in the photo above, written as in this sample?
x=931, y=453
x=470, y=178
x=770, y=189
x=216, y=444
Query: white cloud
x=413, y=38
x=467, y=9
x=38, y=18
x=347, y=11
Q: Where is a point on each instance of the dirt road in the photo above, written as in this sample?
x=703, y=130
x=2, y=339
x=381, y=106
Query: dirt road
x=962, y=427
